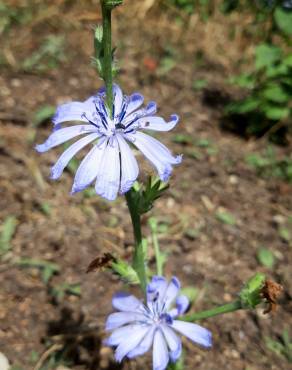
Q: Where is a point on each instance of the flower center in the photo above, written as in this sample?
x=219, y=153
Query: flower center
x=120, y=126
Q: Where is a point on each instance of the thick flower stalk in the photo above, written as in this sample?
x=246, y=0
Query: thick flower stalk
x=137, y=327
x=110, y=161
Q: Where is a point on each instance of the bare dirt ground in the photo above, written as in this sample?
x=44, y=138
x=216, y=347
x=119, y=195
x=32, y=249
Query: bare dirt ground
x=72, y=230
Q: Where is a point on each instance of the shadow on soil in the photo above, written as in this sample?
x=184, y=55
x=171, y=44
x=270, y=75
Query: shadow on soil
x=80, y=343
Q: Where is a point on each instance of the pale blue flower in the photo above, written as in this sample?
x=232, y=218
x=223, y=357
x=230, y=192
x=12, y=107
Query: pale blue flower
x=137, y=327
x=110, y=161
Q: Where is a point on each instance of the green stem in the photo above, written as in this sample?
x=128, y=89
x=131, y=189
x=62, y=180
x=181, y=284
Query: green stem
x=229, y=307
x=158, y=257
x=139, y=255
x=107, y=57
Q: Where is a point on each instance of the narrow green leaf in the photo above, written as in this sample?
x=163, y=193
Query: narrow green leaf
x=200, y=84
x=226, y=218
x=43, y=114
x=266, y=257
x=285, y=234
x=8, y=230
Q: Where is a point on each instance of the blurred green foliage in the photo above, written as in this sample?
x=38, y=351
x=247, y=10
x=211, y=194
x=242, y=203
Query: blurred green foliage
x=48, y=56
x=282, y=346
x=10, y=15
x=226, y=217
x=269, y=91
x=267, y=87
x=47, y=269
x=268, y=165
x=8, y=229
x=267, y=107
x=266, y=257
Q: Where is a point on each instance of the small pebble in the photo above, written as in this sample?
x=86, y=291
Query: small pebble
x=279, y=219
x=4, y=363
x=15, y=82
x=233, y=180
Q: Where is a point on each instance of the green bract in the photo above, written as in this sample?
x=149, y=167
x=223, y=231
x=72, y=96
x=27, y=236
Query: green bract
x=250, y=295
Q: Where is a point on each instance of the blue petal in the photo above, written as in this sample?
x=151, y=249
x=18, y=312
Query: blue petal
x=156, y=290
x=88, y=169
x=173, y=342
x=131, y=339
x=129, y=166
x=158, y=123
x=194, y=332
x=121, y=334
x=108, y=176
x=143, y=112
x=64, y=134
x=135, y=101
x=144, y=345
x=160, y=352
x=182, y=304
x=69, y=153
x=155, y=152
x=151, y=108
x=74, y=111
x=118, y=99
x=117, y=319
x=126, y=302
x=171, y=292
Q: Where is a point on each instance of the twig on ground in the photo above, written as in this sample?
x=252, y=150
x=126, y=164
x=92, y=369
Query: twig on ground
x=54, y=348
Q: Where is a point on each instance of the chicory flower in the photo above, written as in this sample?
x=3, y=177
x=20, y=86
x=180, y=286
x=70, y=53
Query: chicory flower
x=136, y=327
x=110, y=161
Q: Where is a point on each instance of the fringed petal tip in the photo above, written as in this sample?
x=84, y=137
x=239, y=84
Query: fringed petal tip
x=76, y=189
x=119, y=357
x=41, y=148
x=137, y=98
x=174, y=280
x=53, y=175
x=175, y=355
x=107, y=343
x=165, y=175
x=178, y=159
x=174, y=119
x=108, y=195
x=151, y=107
x=209, y=340
x=126, y=187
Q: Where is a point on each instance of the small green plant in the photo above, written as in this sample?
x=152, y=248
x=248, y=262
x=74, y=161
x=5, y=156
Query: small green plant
x=187, y=6
x=282, y=346
x=199, y=84
x=285, y=234
x=59, y=291
x=47, y=269
x=43, y=114
x=226, y=217
x=7, y=231
x=48, y=56
x=204, y=8
x=266, y=257
x=267, y=105
x=10, y=15
x=268, y=165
